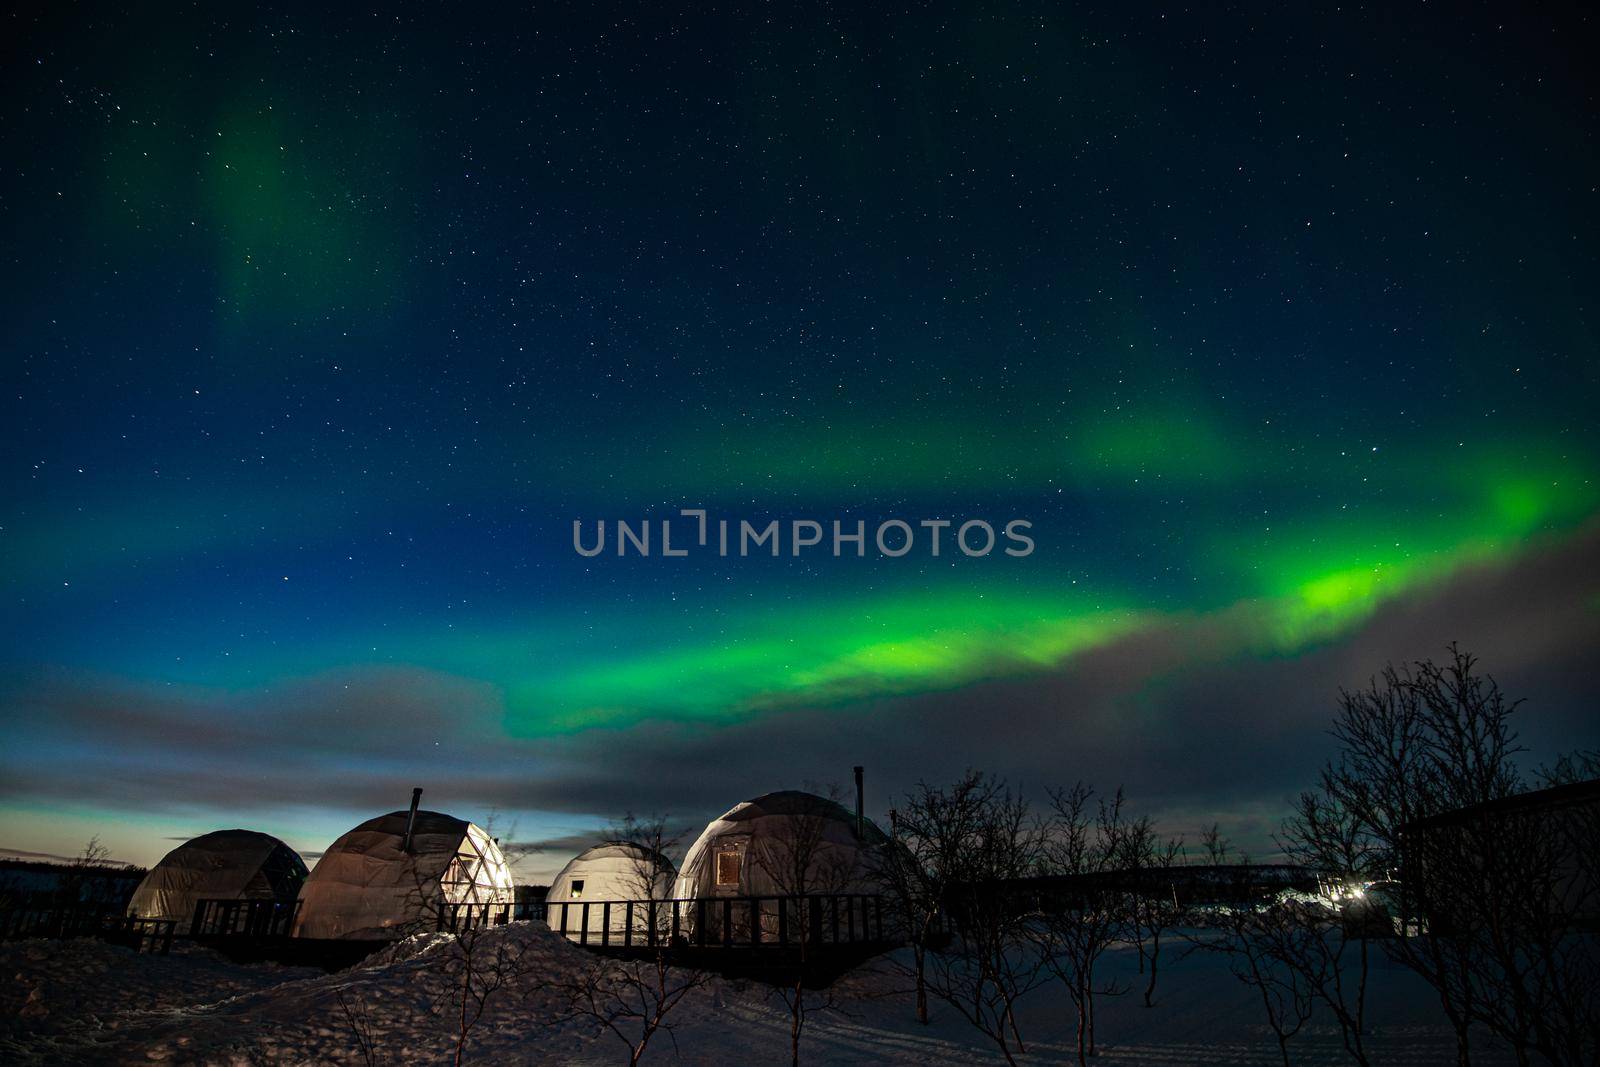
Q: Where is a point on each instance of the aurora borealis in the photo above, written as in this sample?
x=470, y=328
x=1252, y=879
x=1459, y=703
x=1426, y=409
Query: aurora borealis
x=322, y=330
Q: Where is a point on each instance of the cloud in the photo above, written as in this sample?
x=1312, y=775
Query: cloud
x=47, y=857
x=562, y=843
x=1191, y=714
x=1195, y=714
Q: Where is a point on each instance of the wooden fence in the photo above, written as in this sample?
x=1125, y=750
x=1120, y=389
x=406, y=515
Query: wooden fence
x=243, y=918
x=705, y=922
x=141, y=935
x=721, y=922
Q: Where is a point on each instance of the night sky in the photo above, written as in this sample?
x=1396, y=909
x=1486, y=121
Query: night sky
x=321, y=330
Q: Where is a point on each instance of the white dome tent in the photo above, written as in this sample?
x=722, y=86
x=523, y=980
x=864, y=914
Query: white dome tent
x=221, y=865
x=783, y=845
x=737, y=854
x=612, y=871
x=385, y=877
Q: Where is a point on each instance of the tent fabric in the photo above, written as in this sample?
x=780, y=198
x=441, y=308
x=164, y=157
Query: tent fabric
x=611, y=871
x=727, y=858
x=614, y=870
x=366, y=886
x=224, y=864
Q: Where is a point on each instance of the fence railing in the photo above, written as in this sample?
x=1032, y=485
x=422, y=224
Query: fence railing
x=720, y=922
x=141, y=935
x=702, y=922
x=243, y=918
x=458, y=917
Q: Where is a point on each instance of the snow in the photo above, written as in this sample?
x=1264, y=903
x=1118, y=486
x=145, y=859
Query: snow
x=85, y=1001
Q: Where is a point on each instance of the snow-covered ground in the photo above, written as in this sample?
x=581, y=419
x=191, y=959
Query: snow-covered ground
x=87, y=1002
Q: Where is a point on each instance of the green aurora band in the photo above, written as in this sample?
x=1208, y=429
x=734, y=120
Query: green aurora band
x=1311, y=580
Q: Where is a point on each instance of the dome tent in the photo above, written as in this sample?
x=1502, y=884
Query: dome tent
x=373, y=883
x=224, y=864
x=614, y=870
x=737, y=854
x=611, y=871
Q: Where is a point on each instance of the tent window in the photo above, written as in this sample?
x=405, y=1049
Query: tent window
x=728, y=867
x=577, y=888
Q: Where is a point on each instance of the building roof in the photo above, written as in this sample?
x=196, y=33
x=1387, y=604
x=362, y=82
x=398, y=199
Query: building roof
x=1551, y=799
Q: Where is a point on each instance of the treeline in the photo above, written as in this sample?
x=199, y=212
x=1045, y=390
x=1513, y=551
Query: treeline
x=90, y=879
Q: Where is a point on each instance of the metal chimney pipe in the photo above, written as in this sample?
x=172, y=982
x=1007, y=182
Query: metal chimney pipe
x=861, y=819
x=411, y=819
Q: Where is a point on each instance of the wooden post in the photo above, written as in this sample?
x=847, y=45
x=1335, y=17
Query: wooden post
x=627, y=927
x=605, y=924
x=783, y=921
x=727, y=922
x=583, y=934
x=755, y=920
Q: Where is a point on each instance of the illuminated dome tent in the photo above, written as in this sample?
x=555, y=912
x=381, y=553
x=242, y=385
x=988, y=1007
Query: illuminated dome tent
x=225, y=865
x=385, y=876
x=735, y=855
x=610, y=871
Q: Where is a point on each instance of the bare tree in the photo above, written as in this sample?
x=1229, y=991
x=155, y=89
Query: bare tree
x=801, y=862
x=1149, y=862
x=358, y=1017
x=1489, y=895
x=924, y=862
x=1289, y=1003
x=1325, y=837
x=1570, y=768
x=480, y=965
x=994, y=846
x=1261, y=941
x=76, y=880
x=1384, y=780
x=503, y=832
x=479, y=962
x=633, y=999
x=1215, y=846
x=1093, y=908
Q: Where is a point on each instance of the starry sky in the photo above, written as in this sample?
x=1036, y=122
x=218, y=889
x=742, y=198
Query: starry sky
x=323, y=327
